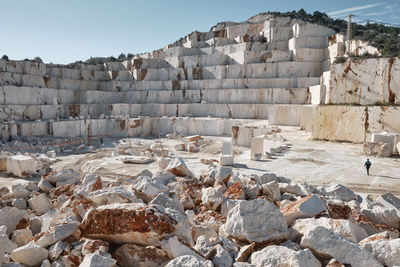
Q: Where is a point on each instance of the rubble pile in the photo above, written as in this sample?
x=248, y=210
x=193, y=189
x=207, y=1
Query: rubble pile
x=174, y=218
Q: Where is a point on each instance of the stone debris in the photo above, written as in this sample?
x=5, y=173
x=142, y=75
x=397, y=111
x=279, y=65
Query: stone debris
x=21, y=166
x=176, y=218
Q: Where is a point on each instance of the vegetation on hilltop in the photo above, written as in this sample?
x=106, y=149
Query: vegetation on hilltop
x=385, y=38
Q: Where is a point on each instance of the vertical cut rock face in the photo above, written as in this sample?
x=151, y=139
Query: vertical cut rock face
x=130, y=223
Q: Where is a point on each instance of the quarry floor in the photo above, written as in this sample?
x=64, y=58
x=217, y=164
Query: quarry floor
x=315, y=162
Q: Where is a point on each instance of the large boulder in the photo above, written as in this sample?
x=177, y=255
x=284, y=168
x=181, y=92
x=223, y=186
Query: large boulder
x=384, y=246
x=40, y=204
x=134, y=255
x=340, y=192
x=306, y=207
x=379, y=214
x=29, y=255
x=330, y=245
x=256, y=221
x=341, y=227
x=282, y=256
x=135, y=223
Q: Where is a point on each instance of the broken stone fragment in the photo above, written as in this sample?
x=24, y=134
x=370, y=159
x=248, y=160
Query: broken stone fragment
x=55, y=233
x=22, y=237
x=68, y=176
x=245, y=252
x=40, y=204
x=175, y=248
x=134, y=255
x=200, y=230
x=222, y=258
x=251, y=187
x=309, y=206
x=91, y=182
x=94, y=246
x=272, y=191
x=384, y=246
x=96, y=260
x=204, y=247
x=210, y=218
x=118, y=194
x=135, y=223
x=168, y=200
x=211, y=198
x=341, y=227
x=341, y=192
x=190, y=261
x=56, y=250
x=45, y=186
x=328, y=244
x=11, y=217
x=147, y=188
x=21, y=166
x=337, y=211
x=283, y=256
x=256, y=221
x=178, y=167
x=29, y=255
x=235, y=191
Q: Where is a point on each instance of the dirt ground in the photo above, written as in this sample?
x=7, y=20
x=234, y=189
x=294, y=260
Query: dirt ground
x=315, y=162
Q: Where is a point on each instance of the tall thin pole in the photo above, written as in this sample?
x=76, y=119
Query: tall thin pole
x=349, y=33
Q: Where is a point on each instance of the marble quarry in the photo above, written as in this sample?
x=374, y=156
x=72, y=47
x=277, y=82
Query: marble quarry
x=274, y=69
x=212, y=80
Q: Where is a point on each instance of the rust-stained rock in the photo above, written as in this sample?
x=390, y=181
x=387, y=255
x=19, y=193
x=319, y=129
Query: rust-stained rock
x=134, y=223
x=337, y=211
x=91, y=246
x=235, y=191
x=210, y=218
x=178, y=167
x=138, y=256
x=304, y=208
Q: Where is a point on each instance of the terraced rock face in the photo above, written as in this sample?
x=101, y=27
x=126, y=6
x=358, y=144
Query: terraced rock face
x=248, y=67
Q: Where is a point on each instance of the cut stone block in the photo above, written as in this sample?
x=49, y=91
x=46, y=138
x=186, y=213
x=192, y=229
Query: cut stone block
x=257, y=148
x=21, y=166
x=225, y=160
x=3, y=163
x=226, y=148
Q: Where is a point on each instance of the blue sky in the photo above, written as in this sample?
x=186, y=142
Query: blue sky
x=66, y=31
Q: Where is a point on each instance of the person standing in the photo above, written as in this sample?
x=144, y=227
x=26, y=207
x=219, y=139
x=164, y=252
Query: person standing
x=367, y=165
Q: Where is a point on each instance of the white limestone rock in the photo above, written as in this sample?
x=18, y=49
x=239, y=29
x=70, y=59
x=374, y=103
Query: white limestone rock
x=222, y=258
x=211, y=198
x=19, y=203
x=22, y=237
x=328, y=244
x=91, y=182
x=178, y=167
x=272, y=191
x=168, y=200
x=309, y=206
x=56, y=249
x=3, y=229
x=68, y=176
x=117, y=194
x=384, y=246
x=251, y=187
x=21, y=166
x=57, y=232
x=379, y=214
x=282, y=256
x=190, y=261
x=35, y=225
x=341, y=192
x=96, y=260
x=256, y=221
x=175, y=248
x=40, y=204
x=291, y=188
x=6, y=246
x=204, y=247
x=45, y=263
x=147, y=188
x=10, y=217
x=201, y=230
x=29, y=255
x=342, y=227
